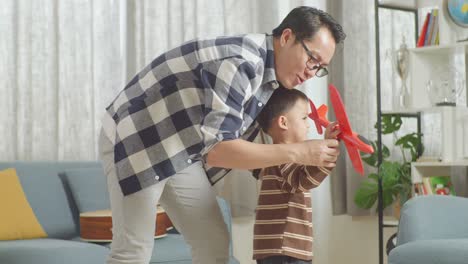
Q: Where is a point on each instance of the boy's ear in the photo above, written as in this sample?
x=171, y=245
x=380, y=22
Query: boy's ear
x=282, y=122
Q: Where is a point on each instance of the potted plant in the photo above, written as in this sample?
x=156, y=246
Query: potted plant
x=396, y=175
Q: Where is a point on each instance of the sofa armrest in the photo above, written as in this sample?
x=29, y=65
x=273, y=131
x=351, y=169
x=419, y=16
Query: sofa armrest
x=433, y=217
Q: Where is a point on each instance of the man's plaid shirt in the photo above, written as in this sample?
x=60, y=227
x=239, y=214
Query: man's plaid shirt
x=177, y=108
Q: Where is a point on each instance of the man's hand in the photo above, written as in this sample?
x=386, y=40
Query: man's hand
x=322, y=153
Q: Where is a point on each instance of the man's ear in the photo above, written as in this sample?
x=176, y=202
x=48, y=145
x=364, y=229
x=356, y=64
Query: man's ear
x=282, y=122
x=286, y=36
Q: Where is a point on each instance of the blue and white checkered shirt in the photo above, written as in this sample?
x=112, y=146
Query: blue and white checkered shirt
x=186, y=101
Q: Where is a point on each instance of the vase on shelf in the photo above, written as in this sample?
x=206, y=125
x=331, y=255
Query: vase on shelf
x=402, y=98
x=445, y=86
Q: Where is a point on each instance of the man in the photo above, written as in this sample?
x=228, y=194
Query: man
x=188, y=117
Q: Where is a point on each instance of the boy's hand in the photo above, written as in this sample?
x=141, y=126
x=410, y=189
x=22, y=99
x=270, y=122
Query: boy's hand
x=332, y=131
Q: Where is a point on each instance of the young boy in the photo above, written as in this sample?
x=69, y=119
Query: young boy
x=283, y=224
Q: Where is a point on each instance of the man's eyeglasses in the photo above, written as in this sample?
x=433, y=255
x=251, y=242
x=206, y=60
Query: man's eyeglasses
x=312, y=63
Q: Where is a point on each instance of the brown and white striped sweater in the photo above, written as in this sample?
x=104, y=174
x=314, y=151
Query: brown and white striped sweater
x=283, y=222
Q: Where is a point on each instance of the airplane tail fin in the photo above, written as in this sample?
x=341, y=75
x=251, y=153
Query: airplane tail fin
x=322, y=111
x=314, y=115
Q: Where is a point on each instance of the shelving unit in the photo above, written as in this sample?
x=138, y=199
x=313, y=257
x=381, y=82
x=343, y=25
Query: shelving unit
x=453, y=120
x=423, y=62
x=407, y=6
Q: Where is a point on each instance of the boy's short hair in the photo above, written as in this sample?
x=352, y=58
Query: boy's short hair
x=280, y=102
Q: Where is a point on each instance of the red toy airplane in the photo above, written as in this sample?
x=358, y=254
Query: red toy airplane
x=352, y=140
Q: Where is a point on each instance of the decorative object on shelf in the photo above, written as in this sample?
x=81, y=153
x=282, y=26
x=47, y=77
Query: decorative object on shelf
x=430, y=29
x=456, y=17
x=439, y=185
x=458, y=11
x=402, y=99
x=445, y=87
x=396, y=175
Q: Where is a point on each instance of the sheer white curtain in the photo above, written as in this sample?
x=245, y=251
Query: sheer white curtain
x=60, y=63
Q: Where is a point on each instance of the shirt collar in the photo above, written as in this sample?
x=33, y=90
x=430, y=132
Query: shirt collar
x=269, y=74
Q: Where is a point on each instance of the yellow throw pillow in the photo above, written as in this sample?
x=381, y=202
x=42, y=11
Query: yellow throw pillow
x=18, y=220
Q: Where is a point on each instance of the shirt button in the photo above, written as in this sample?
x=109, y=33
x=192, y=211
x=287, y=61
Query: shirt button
x=260, y=104
x=189, y=161
x=156, y=177
x=244, y=128
x=275, y=85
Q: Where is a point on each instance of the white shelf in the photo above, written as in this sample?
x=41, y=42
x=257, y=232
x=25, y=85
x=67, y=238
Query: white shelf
x=410, y=111
x=442, y=49
x=434, y=168
x=414, y=111
x=440, y=163
x=410, y=4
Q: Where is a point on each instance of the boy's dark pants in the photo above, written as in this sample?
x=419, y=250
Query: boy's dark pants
x=282, y=260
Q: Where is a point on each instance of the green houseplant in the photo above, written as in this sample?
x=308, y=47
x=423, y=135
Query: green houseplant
x=396, y=175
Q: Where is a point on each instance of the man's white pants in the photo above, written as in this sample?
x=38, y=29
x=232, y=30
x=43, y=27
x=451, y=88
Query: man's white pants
x=188, y=199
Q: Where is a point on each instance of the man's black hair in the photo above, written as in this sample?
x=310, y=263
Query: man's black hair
x=305, y=21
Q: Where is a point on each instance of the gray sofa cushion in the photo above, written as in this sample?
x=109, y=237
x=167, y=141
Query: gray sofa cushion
x=45, y=193
x=89, y=189
x=51, y=251
x=432, y=229
x=439, y=251
x=48, y=195
x=433, y=217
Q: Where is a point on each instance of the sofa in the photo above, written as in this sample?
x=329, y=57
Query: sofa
x=58, y=192
x=432, y=229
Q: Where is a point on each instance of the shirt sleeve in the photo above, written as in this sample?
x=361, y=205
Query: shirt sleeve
x=227, y=87
x=301, y=178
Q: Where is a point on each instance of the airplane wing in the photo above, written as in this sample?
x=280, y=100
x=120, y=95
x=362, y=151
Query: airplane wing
x=339, y=109
x=355, y=157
